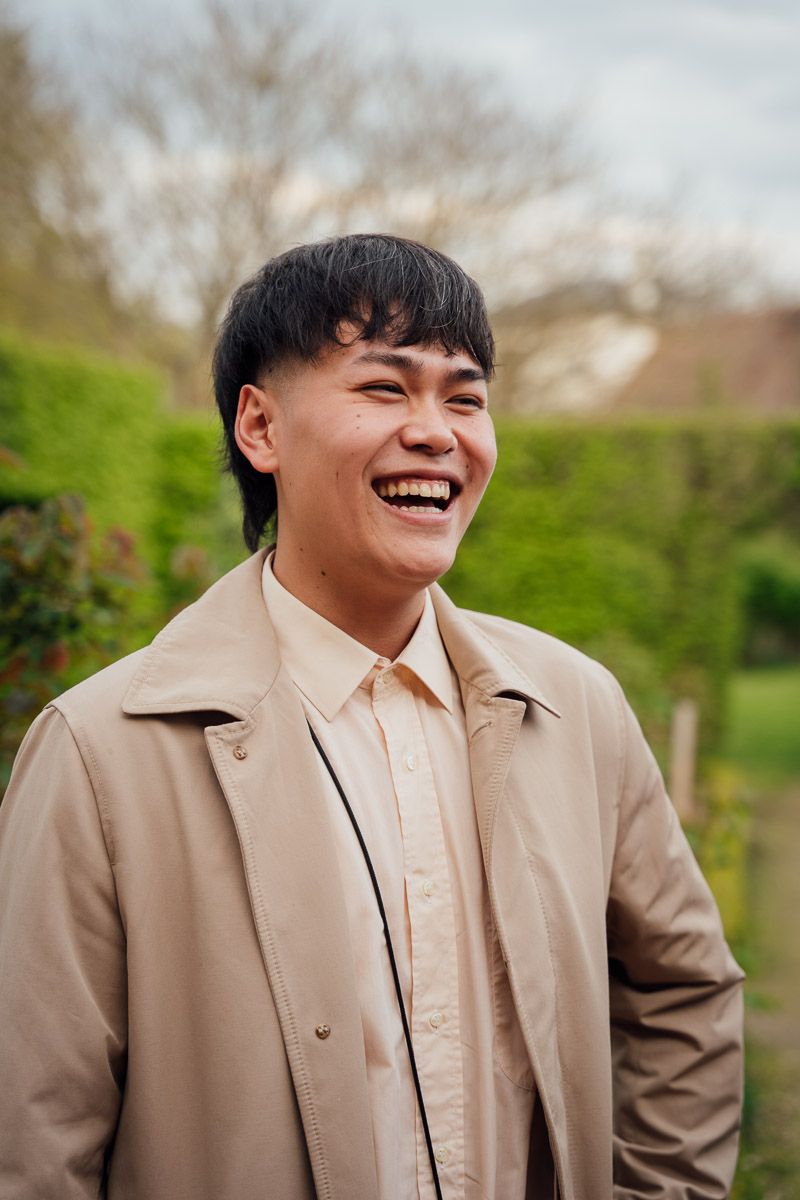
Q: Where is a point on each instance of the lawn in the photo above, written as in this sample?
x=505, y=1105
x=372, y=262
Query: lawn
x=763, y=745
x=763, y=737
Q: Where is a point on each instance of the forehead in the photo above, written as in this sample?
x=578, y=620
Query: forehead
x=416, y=360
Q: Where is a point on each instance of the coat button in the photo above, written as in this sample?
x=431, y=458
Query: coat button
x=323, y=1031
x=239, y=752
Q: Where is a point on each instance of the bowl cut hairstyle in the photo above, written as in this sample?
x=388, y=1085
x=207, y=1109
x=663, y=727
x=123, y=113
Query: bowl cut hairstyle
x=295, y=306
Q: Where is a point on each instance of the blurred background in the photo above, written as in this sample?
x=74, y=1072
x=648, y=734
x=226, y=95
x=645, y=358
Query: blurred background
x=623, y=180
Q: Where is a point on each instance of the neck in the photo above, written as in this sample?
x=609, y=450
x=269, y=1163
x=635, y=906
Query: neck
x=383, y=624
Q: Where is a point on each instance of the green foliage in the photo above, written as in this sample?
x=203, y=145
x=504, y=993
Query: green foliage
x=196, y=522
x=769, y=572
x=763, y=736
x=722, y=844
x=64, y=608
x=82, y=424
x=622, y=539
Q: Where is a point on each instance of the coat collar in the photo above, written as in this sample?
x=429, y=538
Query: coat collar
x=221, y=653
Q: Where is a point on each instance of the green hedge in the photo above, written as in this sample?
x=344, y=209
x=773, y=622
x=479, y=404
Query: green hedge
x=621, y=538
x=196, y=523
x=80, y=423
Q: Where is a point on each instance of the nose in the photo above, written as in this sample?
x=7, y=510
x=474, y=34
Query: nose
x=427, y=428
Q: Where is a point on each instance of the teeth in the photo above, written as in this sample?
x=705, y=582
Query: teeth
x=438, y=490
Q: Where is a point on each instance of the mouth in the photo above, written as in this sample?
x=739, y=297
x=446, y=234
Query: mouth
x=410, y=493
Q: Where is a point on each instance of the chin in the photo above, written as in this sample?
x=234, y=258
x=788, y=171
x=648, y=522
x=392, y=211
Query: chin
x=425, y=569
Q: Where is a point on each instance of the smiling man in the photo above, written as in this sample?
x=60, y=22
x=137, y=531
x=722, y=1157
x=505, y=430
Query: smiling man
x=336, y=890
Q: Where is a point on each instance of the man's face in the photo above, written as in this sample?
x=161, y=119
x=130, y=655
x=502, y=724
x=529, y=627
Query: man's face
x=380, y=455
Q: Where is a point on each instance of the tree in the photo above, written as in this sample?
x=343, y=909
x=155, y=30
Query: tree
x=444, y=156
x=56, y=266
x=254, y=127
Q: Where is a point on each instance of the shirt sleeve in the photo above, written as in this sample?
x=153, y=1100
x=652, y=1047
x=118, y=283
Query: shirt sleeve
x=62, y=976
x=676, y=1004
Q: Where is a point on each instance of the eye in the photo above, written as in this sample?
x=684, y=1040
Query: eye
x=476, y=402
x=383, y=385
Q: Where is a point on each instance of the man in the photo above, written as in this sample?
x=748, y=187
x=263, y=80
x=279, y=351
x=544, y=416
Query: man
x=210, y=849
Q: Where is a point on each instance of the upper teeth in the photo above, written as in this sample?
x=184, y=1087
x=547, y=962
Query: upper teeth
x=437, y=490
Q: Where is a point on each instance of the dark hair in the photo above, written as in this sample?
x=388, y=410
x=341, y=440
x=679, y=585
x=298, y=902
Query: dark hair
x=390, y=287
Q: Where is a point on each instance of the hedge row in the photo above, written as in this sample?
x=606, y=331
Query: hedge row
x=622, y=539
x=73, y=422
x=625, y=539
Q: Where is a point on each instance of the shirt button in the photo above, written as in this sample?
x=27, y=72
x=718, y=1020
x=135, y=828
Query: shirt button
x=435, y=1019
x=411, y=762
x=442, y=1154
x=428, y=887
x=239, y=752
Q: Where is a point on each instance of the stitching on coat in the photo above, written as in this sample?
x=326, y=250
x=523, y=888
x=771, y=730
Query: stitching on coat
x=506, y=657
x=93, y=777
x=264, y=927
x=528, y=858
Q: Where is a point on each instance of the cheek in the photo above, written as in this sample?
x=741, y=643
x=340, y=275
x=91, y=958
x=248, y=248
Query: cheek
x=484, y=456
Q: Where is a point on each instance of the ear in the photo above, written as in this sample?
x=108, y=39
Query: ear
x=254, y=429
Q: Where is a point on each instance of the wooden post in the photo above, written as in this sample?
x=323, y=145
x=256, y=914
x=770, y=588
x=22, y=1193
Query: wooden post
x=683, y=755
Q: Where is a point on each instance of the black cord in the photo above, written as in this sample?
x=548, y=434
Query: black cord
x=392, y=961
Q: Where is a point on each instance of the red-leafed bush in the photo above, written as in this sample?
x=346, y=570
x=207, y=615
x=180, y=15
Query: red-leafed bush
x=65, y=607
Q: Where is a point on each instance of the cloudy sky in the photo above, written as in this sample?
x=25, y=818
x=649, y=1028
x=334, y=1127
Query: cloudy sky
x=697, y=100
x=691, y=99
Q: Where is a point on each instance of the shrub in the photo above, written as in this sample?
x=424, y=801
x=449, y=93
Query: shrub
x=80, y=423
x=64, y=608
x=196, y=527
x=621, y=538
x=769, y=573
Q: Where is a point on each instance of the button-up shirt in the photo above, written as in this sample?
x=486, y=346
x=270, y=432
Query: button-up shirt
x=396, y=736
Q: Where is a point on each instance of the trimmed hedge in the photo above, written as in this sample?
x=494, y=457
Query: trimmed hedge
x=80, y=423
x=196, y=527
x=621, y=538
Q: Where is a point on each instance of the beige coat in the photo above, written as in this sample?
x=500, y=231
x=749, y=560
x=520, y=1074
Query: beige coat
x=174, y=930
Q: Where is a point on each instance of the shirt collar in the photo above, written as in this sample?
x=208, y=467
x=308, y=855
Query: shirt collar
x=327, y=665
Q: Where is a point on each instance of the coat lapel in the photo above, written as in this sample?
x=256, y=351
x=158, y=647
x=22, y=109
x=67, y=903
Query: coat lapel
x=499, y=701
x=266, y=766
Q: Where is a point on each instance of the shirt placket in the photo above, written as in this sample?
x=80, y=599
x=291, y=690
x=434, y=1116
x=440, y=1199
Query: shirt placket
x=434, y=1013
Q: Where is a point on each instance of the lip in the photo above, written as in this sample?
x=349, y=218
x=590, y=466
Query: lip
x=432, y=516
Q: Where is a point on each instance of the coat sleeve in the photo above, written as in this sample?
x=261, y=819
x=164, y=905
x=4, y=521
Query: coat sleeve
x=676, y=1004
x=62, y=976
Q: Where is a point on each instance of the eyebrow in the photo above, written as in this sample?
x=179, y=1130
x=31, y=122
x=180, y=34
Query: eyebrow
x=407, y=362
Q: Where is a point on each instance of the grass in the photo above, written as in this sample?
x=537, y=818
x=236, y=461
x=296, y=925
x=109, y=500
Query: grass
x=763, y=738
x=763, y=747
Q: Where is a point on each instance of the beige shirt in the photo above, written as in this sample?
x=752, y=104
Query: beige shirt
x=396, y=736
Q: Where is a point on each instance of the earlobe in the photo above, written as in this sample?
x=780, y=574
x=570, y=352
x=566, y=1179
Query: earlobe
x=254, y=430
